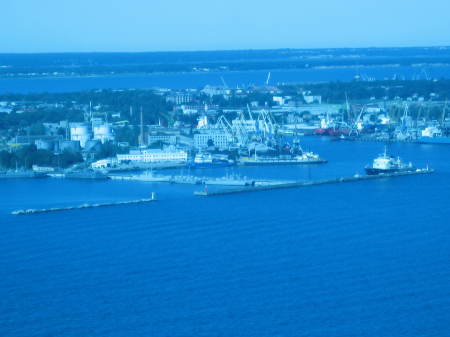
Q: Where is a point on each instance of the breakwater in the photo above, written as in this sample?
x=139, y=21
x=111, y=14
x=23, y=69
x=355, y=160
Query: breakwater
x=83, y=206
x=354, y=178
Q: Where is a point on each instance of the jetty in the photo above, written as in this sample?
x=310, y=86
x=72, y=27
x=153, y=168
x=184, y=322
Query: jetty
x=83, y=206
x=355, y=178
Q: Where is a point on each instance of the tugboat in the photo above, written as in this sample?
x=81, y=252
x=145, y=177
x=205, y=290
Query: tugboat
x=387, y=164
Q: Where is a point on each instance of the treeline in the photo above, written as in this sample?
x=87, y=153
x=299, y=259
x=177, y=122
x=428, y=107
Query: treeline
x=127, y=102
x=27, y=156
x=34, y=117
x=336, y=92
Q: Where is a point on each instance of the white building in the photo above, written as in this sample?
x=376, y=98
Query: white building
x=278, y=99
x=211, y=90
x=103, y=132
x=217, y=138
x=80, y=132
x=154, y=155
x=104, y=163
x=179, y=98
x=310, y=99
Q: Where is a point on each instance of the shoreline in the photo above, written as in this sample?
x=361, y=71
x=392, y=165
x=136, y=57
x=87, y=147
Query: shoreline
x=216, y=71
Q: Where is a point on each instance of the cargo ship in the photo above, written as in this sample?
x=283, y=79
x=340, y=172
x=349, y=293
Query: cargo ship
x=206, y=160
x=433, y=135
x=387, y=164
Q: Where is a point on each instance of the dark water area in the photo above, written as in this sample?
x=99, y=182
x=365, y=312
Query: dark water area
x=232, y=79
x=370, y=258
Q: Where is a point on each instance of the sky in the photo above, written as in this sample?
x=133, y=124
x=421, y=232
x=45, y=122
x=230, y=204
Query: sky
x=28, y=26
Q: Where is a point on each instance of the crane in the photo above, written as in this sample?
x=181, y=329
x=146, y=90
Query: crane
x=268, y=79
x=357, y=126
x=223, y=82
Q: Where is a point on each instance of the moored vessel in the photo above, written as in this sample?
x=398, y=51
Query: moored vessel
x=385, y=163
x=86, y=174
x=20, y=174
x=433, y=135
x=207, y=160
x=301, y=158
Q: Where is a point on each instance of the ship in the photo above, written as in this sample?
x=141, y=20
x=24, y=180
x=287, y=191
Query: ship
x=86, y=175
x=303, y=158
x=387, y=164
x=433, y=135
x=207, y=160
x=20, y=174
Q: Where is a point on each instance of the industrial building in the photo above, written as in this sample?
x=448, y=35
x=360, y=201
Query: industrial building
x=153, y=155
x=216, y=138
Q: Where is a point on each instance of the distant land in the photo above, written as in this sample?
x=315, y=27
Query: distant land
x=91, y=64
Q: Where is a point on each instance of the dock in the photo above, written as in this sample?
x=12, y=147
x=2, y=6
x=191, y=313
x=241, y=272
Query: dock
x=83, y=206
x=297, y=184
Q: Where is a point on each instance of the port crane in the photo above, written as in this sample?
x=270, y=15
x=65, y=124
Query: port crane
x=266, y=123
x=223, y=82
x=268, y=79
x=443, y=114
x=236, y=133
x=357, y=125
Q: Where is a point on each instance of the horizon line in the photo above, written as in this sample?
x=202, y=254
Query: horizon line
x=222, y=50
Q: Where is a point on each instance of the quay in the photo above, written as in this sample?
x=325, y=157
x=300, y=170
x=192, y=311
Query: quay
x=354, y=178
x=68, y=208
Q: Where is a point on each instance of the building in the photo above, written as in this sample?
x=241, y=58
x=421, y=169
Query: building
x=153, y=156
x=162, y=137
x=179, y=98
x=212, y=137
x=211, y=91
x=37, y=140
x=80, y=132
x=278, y=100
x=310, y=98
x=103, y=132
x=104, y=163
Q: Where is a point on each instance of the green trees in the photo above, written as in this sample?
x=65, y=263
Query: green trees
x=154, y=107
x=27, y=156
x=107, y=149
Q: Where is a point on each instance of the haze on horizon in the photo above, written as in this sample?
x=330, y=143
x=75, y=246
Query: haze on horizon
x=29, y=26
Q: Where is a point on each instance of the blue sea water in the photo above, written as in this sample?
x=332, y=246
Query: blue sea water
x=232, y=79
x=370, y=258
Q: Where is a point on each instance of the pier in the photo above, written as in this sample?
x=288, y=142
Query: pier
x=84, y=206
x=354, y=178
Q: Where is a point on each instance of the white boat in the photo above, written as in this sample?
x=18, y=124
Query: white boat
x=385, y=163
